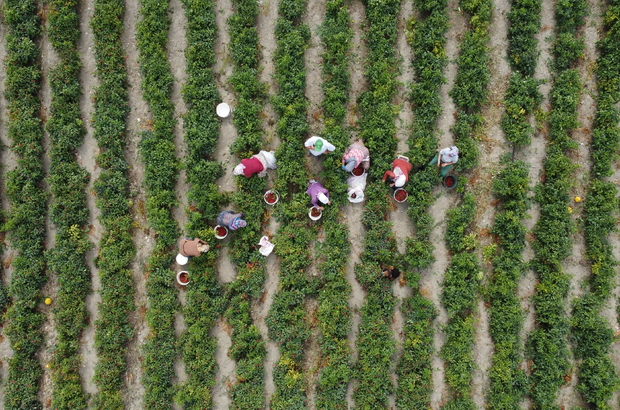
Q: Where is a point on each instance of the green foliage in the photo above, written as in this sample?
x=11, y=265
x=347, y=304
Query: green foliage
x=68, y=210
x=26, y=218
x=288, y=321
x=205, y=298
x=547, y=344
x=524, y=18
x=116, y=251
x=508, y=380
x=427, y=41
x=591, y=333
x=333, y=314
x=160, y=174
x=472, y=78
x=521, y=99
x=415, y=368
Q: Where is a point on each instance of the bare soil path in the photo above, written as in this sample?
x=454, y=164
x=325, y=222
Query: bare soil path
x=86, y=157
x=139, y=119
x=7, y=159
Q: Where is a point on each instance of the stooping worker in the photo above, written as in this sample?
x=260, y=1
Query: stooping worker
x=231, y=220
x=399, y=174
x=318, y=146
x=354, y=156
x=391, y=272
x=258, y=163
x=445, y=158
x=191, y=247
x=317, y=193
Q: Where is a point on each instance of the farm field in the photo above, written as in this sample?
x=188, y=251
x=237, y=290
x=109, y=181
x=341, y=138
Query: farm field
x=112, y=152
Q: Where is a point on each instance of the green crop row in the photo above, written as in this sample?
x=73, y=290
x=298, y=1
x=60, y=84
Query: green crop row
x=522, y=96
x=290, y=103
x=427, y=41
x=116, y=251
x=26, y=219
x=592, y=334
x=288, y=320
x=334, y=316
x=377, y=126
x=508, y=380
x=160, y=174
x=248, y=348
x=472, y=78
x=375, y=343
x=459, y=296
x=205, y=300
x=547, y=344
x=415, y=383
x=511, y=187
x=460, y=288
x=68, y=210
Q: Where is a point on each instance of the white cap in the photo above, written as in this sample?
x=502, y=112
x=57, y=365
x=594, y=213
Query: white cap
x=400, y=181
x=323, y=198
x=182, y=260
x=238, y=169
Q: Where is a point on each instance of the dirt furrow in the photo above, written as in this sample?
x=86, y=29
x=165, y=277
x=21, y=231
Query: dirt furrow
x=86, y=158
x=313, y=62
x=266, y=25
x=8, y=161
x=49, y=59
x=353, y=216
x=402, y=225
x=314, y=115
x=139, y=119
x=576, y=265
x=176, y=46
x=431, y=281
x=260, y=310
x=430, y=287
x=492, y=146
x=534, y=155
x=359, y=54
x=456, y=29
x=223, y=70
x=353, y=212
x=228, y=133
x=225, y=374
x=405, y=114
x=177, y=43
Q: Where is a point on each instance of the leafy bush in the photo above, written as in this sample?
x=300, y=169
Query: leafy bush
x=68, y=210
x=160, y=174
x=116, y=251
x=26, y=218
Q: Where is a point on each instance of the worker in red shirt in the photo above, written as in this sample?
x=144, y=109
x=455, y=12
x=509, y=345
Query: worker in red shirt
x=399, y=174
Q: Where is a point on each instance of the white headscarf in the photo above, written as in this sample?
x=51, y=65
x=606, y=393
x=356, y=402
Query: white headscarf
x=238, y=169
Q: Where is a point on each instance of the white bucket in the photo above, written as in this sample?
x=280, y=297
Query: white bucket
x=218, y=236
x=314, y=218
x=223, y=110
x=179, y=278
x=271, y=191
x=182, y=260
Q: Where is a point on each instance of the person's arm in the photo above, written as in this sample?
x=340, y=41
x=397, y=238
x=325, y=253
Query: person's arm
x=310, y=141
x=329, y=147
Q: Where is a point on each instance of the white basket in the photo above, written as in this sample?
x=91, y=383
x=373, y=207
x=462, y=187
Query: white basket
x=223, y=110
x=271, y=191
x=179, y=278
x=400, y=189
x=218, y=236
x=314, y=218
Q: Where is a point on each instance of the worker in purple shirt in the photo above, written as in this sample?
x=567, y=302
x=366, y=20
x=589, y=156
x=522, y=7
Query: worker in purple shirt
x=317, y=194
